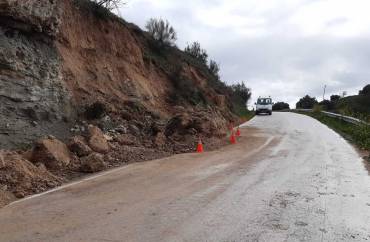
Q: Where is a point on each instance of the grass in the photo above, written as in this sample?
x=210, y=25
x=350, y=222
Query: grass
x=356, y=134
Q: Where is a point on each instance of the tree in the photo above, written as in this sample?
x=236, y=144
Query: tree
x=241, y=91
x=327, y=105
x=306, y=102
x=335, y=98
x=365, y=90
x=280, y=106
x=161, y=31
x=214, y=68
x=197, y=52
x=109, y=4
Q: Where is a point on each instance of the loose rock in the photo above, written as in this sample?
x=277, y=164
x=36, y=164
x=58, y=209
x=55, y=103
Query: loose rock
x=52, y=152
x=78, y=146
x=93, y=163
x=97, y=140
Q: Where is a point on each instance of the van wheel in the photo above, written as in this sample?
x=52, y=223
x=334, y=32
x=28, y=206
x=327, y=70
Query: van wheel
x=270, y=113
x=257, y=113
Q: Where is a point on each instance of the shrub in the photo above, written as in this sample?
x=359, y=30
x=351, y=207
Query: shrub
x=365, y=90
x=335, y=98
x=185, y=90
x=327, y=105
x=214, y=68
x=197, y=52
x=161, y=31
x=280, y=106
x=306, y=102
x=108, y=4
x=317, y=108
x=239, y=96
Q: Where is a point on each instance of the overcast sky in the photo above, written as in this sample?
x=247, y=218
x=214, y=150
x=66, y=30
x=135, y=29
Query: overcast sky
x=282, y=48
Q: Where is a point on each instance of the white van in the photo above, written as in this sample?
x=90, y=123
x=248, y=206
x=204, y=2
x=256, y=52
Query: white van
x=264, y=105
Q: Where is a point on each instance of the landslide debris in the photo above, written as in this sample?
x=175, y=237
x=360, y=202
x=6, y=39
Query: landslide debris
x=20, y=177
x=93, y=163
x=83, y=91
x=51, y=152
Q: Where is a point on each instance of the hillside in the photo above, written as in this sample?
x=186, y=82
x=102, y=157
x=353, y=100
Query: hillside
x=59, y=58
x=81, y=90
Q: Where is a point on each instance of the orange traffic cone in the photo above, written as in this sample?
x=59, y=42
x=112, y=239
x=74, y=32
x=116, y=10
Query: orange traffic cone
x=232, y=138
x=238, y=132
x=200, y=146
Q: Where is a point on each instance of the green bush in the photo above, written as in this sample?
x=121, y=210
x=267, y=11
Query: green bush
x=280, y=106
x=317, y=108
x=186, y=91
x=365, y=90
x=214, y=67
x=197, y=52
x=306, y=102
x=161, y=31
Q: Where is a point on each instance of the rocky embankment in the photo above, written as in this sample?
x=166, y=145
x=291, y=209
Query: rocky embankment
x=82, y=91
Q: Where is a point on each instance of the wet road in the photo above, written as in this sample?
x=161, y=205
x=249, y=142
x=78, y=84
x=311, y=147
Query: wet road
x=288, y=179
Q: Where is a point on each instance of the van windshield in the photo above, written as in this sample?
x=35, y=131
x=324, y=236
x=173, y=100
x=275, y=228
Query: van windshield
x=264, y=101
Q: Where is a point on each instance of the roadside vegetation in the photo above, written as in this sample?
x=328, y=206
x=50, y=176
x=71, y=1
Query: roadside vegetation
x=306, y=102
x=357, y=106
x=280, y=106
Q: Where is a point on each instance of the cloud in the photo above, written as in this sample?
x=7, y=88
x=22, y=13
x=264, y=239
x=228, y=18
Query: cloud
x=282, y=48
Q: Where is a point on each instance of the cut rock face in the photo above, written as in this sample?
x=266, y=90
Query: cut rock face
x=53, y=153
x=97, y=140
x=93, y=163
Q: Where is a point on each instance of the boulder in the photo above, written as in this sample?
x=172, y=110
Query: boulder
x=78, y=146
x=93, y=163
x=51, y=152
x=97, y=140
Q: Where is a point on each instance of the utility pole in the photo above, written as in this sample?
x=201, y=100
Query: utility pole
x=323, y=95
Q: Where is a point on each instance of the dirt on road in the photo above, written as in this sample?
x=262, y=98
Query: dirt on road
x=289, y=178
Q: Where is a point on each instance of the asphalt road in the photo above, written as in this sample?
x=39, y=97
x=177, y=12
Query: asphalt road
x=289, y=178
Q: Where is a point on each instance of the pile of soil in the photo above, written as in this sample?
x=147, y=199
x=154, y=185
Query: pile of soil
x=19, y=177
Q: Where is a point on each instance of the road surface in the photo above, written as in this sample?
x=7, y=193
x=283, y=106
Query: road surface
x=289, y=178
